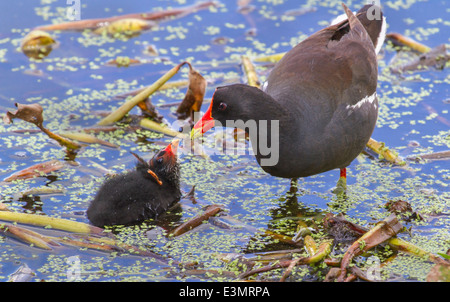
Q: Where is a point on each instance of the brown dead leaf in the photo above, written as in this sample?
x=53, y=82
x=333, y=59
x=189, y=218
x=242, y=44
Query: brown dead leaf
x=33, y=114
x=37, y=170
x=440, y=272
x=193, y=99
x=30, y=113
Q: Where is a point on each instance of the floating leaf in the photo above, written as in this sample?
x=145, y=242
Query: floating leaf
x=271, y=58
x=400, y=39
x=43, y=190
x=37, y=44
x=437, y=58
x=193, y=99
x=148, y=109
x=323, y=250
x=128, y=27
x=310, y=245
x=402, y=208
x=37, y=170
x=439, y=273
x=32, y=113
x=382, y=232
x=197, y=220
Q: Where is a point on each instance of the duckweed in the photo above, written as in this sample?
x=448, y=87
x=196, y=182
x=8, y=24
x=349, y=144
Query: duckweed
x=75, y=89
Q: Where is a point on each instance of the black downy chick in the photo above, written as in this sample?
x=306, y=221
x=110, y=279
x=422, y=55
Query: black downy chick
x=138, y=195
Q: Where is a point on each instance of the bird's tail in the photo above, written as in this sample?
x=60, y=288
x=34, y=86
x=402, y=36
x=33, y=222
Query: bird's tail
x=373, y=20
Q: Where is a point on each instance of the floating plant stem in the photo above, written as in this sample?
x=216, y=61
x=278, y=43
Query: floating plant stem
x=46, y=221
x=404, y=246
x=193, y=100
x=310, y=245
x=120, y=112
x=28, y=236
x=323, y=251
x=414, y=45
x=101, y=22
x=382, y=232
x=37, y=44
x=384, y=152
x=32, y=113
x=69, y=144
x=249, y=69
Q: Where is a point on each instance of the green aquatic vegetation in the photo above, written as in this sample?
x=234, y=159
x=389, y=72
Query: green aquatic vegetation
x=75, y=88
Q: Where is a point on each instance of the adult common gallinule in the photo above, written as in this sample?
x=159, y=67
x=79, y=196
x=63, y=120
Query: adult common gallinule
x=141, y=194
x=321, y=95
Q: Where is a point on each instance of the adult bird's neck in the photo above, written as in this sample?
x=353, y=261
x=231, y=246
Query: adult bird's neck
x=266, y=122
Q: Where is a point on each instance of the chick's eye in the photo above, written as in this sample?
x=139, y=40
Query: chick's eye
x=222, y=106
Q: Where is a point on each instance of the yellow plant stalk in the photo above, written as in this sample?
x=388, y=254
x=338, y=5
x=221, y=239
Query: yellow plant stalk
x=120, y=112
x=272, y=58
x=157, y=127
x=249, y=69
x=382, y=150
x=409, y=248
x=87, y=138
x=45, y=221
x=414, y=45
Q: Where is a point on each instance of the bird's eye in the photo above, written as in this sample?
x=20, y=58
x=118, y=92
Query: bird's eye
x=159, y=160
x=222, y=106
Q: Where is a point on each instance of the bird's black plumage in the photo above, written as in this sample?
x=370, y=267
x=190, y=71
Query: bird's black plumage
x=138, y=195
x=321, y=94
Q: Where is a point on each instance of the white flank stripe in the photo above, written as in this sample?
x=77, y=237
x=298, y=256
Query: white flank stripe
x=367, y=100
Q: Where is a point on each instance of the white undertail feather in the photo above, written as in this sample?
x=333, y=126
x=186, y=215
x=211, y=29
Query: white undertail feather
x=381, y=36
